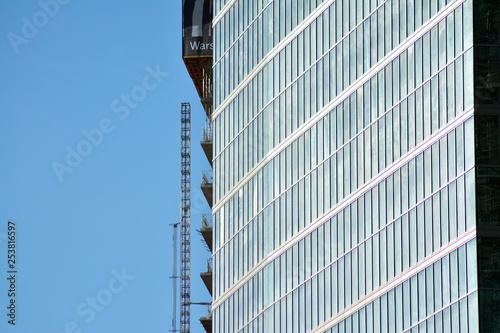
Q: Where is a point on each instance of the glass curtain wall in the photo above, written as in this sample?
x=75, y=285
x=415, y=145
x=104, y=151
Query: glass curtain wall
x=345, y=147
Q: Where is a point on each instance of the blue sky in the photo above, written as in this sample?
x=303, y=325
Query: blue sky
x=94, y=226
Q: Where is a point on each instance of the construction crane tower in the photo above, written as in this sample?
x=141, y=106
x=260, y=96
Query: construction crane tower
x=185, y=222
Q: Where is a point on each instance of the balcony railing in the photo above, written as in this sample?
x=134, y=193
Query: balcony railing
x=206, y=231
x=206, y=134
x=209, y=265
x=209, y=311
x=207, y=276
x=206, y=222
x=206, y=178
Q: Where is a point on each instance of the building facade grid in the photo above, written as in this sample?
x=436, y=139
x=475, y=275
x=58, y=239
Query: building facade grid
x=344, y=160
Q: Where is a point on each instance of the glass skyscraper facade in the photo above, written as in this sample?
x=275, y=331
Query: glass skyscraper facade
x=356, y=163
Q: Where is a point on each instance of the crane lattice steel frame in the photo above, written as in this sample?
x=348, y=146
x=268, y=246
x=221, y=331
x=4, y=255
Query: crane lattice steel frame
x=185, y=221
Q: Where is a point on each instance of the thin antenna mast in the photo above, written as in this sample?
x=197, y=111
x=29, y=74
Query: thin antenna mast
x=174, y=277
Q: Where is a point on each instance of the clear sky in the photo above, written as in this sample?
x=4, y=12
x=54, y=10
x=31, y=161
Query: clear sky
x=90, y=93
